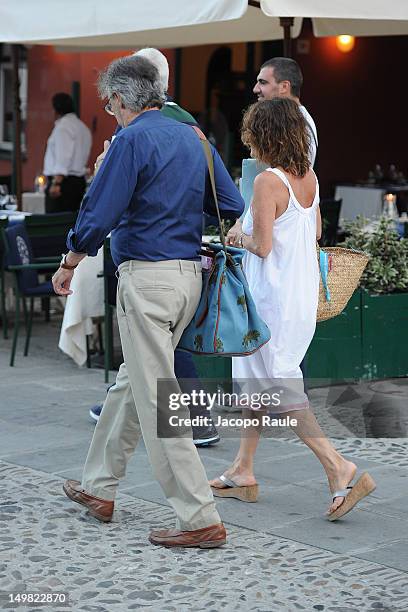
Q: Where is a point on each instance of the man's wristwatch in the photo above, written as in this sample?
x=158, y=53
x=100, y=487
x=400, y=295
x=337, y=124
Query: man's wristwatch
x=64, y=264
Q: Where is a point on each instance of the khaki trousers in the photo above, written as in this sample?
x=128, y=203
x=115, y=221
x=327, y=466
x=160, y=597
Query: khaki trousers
x=155, y=302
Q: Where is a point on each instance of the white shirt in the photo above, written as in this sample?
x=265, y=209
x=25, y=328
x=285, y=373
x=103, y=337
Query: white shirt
x=68, y=147
x=313, y=134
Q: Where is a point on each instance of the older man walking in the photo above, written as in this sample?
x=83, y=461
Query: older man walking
x=149, y=192
x=203, y=434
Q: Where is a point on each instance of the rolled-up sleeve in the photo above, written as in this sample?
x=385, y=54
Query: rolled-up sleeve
x=230, y=202
x=106, y=200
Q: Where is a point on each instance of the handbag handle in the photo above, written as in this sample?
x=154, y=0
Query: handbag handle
x=210, y=164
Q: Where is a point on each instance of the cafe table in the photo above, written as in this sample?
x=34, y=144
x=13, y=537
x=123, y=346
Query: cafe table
x=85, y=304
x=363, y=200
x=33, y=203
x=359, y=200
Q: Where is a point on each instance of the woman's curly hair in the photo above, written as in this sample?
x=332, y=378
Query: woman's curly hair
x=277, y=133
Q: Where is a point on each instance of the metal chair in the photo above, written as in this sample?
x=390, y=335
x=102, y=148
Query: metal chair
x=20, y=261
x=48, y=233
x=330, y=212
x=3, y=225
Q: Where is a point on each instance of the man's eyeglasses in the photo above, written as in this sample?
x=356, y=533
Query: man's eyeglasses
x=108, y=109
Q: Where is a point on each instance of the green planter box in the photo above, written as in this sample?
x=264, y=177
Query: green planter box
x=335, y=351
x=385, y=335
x=368, y=340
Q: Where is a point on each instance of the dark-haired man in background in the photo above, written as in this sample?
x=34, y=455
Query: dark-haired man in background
x=281, y=77
x=66, y=156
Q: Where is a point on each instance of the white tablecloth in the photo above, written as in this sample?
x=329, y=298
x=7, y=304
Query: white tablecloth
x=86, y=302
x=34, y=203
x=364, y=201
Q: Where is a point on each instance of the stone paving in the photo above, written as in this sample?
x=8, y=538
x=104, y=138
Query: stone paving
x=281, y=554
x=51, y=544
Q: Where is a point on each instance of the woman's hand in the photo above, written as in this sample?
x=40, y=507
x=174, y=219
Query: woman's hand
x=234, y=233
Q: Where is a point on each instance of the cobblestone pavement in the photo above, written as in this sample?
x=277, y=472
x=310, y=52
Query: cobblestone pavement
x=47, y=543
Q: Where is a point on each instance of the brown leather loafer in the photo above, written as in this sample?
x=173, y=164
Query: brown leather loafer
x=208, y=537
x=102, y=509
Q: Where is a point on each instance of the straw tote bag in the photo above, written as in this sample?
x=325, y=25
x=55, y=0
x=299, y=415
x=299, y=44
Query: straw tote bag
x=340, y=273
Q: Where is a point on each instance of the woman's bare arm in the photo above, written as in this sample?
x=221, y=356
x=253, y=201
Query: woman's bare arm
x=263, y=213
x=318, y=224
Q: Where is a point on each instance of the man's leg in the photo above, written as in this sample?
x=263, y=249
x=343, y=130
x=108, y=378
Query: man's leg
x=119, y=427
x=114, y=440
x=155, y=303
x=186, y=374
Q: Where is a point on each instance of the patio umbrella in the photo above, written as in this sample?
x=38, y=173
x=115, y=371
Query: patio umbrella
x=355, y=17
x=163, y=23
x=177, y=23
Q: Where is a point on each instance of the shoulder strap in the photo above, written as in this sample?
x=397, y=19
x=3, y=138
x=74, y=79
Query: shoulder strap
x=292, y=196
x=210, y=164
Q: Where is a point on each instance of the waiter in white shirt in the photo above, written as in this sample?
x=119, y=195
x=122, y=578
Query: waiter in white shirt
x=66, y=156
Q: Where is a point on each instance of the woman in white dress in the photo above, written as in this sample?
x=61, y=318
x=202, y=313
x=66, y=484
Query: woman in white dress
x=279, y=233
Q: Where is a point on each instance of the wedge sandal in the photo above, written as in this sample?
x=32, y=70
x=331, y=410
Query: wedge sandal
x=352, y=495
x=248, y=493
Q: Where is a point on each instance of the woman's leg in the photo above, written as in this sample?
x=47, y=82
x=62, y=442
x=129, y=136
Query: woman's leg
x=242, y=468
x=339, y=471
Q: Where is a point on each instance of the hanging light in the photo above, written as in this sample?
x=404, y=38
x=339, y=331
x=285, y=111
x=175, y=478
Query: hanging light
x=345, y=43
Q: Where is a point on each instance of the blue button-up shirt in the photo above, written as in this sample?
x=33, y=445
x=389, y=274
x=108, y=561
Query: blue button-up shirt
x=150, y=192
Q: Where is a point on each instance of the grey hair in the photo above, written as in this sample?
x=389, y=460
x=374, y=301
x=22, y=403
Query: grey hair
x=135, y=80
x=159, y=60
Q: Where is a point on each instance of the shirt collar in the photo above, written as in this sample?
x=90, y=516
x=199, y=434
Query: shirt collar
x=144, y=116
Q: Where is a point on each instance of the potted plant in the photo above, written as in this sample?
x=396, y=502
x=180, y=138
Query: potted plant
x=384, y=299
x=387, y=270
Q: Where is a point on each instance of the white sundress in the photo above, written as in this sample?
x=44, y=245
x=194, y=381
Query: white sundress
x=285, y=288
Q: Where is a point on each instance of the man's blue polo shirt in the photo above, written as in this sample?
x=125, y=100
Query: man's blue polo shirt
x=150, y=192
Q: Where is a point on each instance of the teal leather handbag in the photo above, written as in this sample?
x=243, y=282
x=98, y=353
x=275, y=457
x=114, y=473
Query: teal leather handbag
x=226, y=321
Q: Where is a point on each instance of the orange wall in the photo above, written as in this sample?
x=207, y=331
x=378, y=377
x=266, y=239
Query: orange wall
x=50, y=72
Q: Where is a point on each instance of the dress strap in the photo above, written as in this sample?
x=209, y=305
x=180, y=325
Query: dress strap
x=281, y=175
x=292, y=196
x=285, y=180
